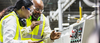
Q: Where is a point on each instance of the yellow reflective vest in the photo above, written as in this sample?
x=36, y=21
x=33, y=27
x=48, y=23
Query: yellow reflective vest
x=35, y=35
x=17, y=29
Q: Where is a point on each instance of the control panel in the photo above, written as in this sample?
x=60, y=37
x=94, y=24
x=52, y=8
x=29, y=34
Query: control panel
x=76, y=33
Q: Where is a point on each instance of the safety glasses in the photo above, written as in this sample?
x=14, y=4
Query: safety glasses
x=30, y=10
x=37, y=9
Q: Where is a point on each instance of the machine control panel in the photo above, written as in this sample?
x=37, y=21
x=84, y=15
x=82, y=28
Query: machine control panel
x=76, y=33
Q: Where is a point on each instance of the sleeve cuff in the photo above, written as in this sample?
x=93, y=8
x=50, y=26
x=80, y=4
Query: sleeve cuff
x=50, y=41
x=29, y=28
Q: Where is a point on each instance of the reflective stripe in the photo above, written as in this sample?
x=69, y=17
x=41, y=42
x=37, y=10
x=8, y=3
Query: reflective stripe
x=40, y=26
x=40, y=29
x=19, y=38
x=37, y=36
x=28, y=36
x=1, y=42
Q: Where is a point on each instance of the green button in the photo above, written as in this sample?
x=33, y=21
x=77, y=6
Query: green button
x=70, y=40
x=74, y=40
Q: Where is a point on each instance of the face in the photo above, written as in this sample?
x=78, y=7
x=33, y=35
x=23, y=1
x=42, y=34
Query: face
x=27, y=12
x=37, y=11
x=38, y=8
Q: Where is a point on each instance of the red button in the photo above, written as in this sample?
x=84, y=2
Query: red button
x=70, y=35
x=80, y=28
x=73, y=31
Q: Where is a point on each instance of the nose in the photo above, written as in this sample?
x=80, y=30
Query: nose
x=39, y=12
x=30, y=14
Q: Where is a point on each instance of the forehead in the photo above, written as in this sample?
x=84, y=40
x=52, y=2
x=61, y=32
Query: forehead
x=38, y=1
x=38, y=4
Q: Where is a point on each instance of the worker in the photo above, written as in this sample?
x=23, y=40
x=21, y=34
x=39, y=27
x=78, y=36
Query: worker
x=41, y=31
x=10, y=23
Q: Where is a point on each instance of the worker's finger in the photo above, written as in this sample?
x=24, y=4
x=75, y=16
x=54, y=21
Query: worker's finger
x=36, y=42
x=58, y=32
x=58, y=36
x=38, y=22
x=53, y=31
x=55, y=37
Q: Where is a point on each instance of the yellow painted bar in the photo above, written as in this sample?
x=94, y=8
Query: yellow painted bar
x=80, y=9
x=75, y=18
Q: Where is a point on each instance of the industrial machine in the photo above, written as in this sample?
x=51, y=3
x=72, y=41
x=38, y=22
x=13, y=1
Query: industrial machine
x=77, y=32
x=82, y=31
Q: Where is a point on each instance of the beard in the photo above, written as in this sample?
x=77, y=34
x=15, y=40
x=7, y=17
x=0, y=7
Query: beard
x=35, y=17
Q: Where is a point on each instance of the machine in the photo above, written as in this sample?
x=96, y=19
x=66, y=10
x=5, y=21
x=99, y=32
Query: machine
x=77, y=32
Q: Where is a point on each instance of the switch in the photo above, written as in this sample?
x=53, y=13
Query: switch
x=73, y=31
x=79, y=34
x=70, y=35
x=79, y=31
x=75, y=39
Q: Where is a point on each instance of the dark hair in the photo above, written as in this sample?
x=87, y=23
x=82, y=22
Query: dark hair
x=6, y=11
x=25, y=3
x=19, y=4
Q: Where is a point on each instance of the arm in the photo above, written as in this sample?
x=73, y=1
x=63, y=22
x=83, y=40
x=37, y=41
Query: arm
x=26, y=30
x=47, y=32
x=9, y=30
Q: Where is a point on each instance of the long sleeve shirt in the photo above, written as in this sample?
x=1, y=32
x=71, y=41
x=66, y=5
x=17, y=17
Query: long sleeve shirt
x=47, y=31
x=9, y=30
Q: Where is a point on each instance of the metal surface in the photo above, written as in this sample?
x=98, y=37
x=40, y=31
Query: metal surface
x=88, y=29
x=60, y=15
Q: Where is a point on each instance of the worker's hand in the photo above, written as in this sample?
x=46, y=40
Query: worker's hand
x=35, y=23
x=55, y=35
x=33, y=42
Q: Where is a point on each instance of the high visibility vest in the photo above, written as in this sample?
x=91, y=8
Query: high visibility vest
x=17, y=28
x=37, y=32
x=35, y=35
